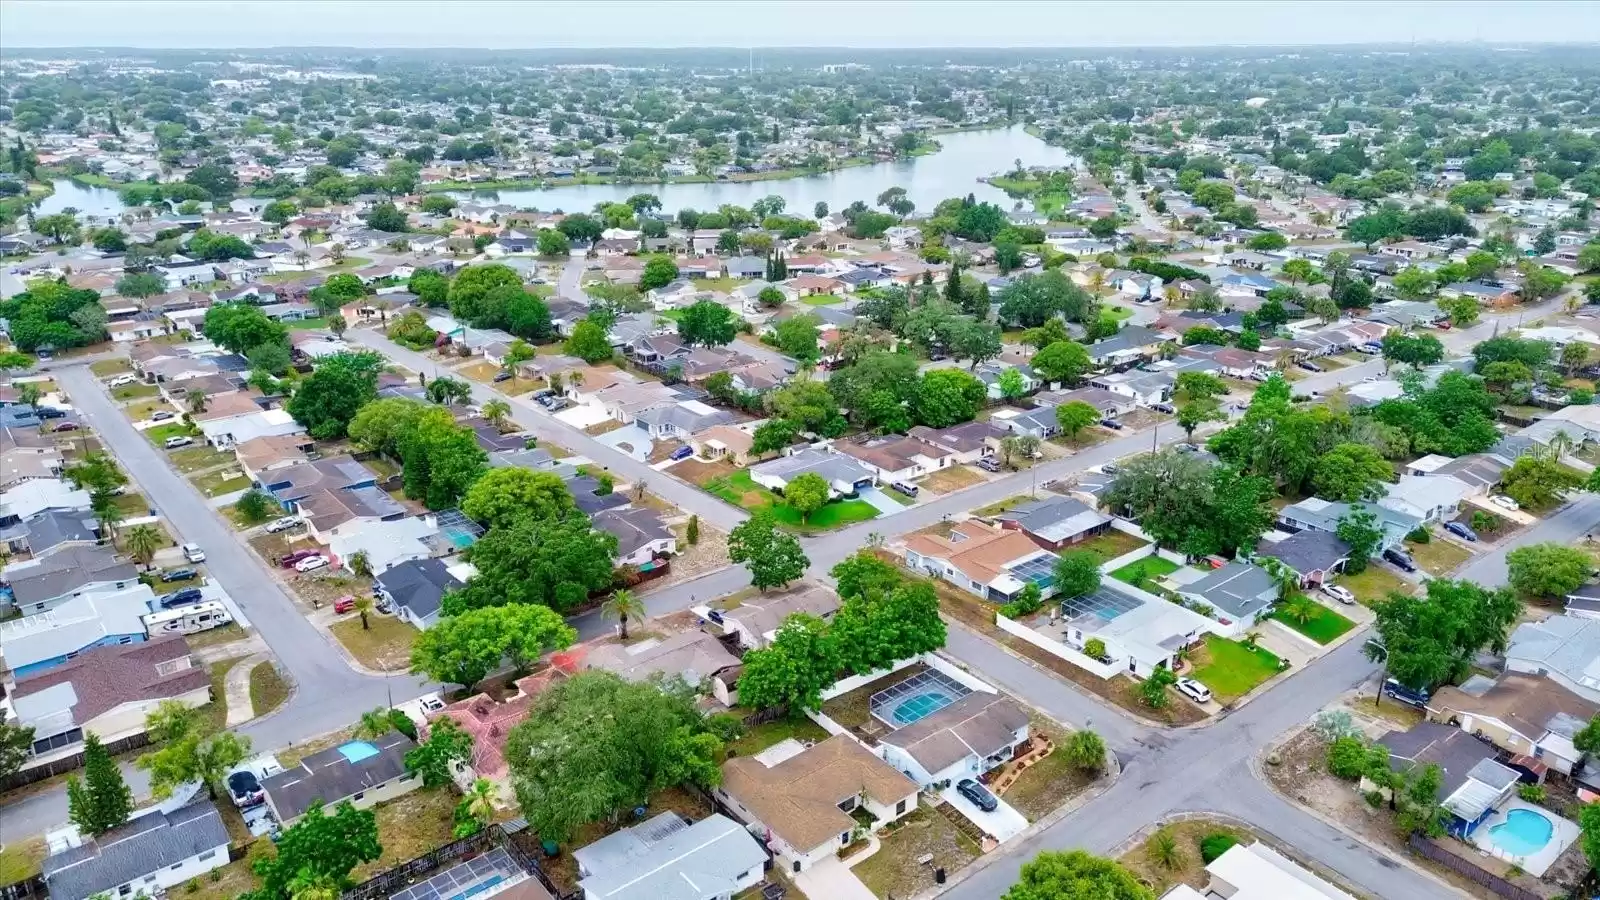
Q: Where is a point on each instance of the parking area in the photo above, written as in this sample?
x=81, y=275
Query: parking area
x=1002, y=823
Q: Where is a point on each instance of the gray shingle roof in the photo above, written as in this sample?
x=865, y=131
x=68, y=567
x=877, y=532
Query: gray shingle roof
x=144, y=845
x=419, y=585
x=330, y=777
x=1238, y=589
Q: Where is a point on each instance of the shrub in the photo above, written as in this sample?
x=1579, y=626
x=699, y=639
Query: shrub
x=403, y=724
x=1095, y=648
x=1374, y=799
x=1215, y=844
x=1420, y=535
x=1347, y=757
x=1532, y=793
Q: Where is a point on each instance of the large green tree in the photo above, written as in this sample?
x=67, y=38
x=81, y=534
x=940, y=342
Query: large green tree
x=1433, y=639
x=326, y=401
x=1075, y=875
x=595, y=745
x=882, y=625
x=946, y=397
x=1349, y=473
x=773, y=557
x=508, y=495
x=707, y=323
x=319, y=849
x=558, y=564
x=793, y=670
x=469, y=293
x=240, y=327
x=101, y=801
x=465, y=647
x=1548, y=569
x=446, y=747
x=187, y=752
x=1077, y=574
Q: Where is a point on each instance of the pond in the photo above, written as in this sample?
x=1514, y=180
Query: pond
x=952, y=172
x=97, y=202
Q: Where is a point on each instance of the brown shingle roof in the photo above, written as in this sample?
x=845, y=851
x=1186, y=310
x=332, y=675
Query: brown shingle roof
x=983, y=553
x=798, y=799
x=1525, y=702
x=107, y=677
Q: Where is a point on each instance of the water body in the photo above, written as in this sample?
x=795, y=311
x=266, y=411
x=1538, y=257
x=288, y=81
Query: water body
x=88, y=201
x=952, y=172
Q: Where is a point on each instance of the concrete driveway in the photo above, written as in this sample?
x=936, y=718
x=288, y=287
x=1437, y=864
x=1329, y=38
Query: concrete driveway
x=830, y=878
x=630, y=440
x=1287, y=643
x=880, y=501
x=1003, y=824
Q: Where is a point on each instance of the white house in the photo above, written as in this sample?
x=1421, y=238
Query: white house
x=665, y=856
x=155, y=852
x=1258, y=872
x=843, y=474
x=966, y=739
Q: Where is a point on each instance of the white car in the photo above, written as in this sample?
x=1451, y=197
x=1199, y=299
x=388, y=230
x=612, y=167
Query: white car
x=121, y=380
x=1194, y=690
x=283, y=524
x=172, y=443
x=1340, y=594
x=193, y=553
x=310, y=563
x=1504, y=502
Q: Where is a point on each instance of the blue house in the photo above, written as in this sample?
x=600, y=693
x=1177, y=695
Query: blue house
x=39, y=643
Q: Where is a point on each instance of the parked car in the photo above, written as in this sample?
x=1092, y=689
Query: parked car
x=1186, y=448
x=68, y=426
x=179, y=575
x=559, y=404
x=193, y=553
x=978, y=794
x=291, y=559
x=988, y=464
x=1110, y=469
x=311, y=563
x=1370, y=349
x=542, y=393
x=1194, y=690
x=1340, y=594
x=344, y=604
x=176, y=441
x=910, y=490
x=1398, y=691
x=181, y=598
x=501, y=376
x=1112, y=424
x=683, y=452
x=49, y=412
x=1460, y=531
x=245, y=789
x=1504, y=502
x=1167, y=408
x=1400, y=558
x=161, y=415
x=283, y=524
x=1309, y=366
x=122, y=380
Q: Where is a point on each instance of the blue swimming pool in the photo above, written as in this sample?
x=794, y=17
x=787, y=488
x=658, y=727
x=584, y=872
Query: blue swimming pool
x=356, y=751
x=920, y=706
x=1523, y=833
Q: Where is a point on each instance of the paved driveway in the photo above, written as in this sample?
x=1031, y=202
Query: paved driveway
x=1003, y=824
x=830, y=879
x=880, y=501
x=628, y=439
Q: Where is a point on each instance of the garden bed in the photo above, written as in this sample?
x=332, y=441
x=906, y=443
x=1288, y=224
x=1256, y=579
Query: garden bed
x=895, y=869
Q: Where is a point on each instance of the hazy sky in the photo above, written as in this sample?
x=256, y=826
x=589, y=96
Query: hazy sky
x=822, y=23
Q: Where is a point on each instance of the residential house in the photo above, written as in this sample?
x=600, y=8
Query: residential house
x=1478, y=471
x=1564, y=649
x=1109, y=405
x=1054, y=522
x=150, y=855
x=677, y=421
x=1429, y=499
x=19, y=464
x=1313, y=555
x=51, y=531
x=896, y=458
x=42, y=642
x=1139, y=631
x=992, y=562
x=756, y=622
x=385, y=543
x=1238, y=594
x=1144, y=388
x=966, y=739
x=1532, y=719
x=225, y=431
x=990, y=373
x=107, y=691
x=259, y=456
x=666, y=858
x=330, y=513
x=641, y=534
x=1317, y=514
x=38, y=585
x=490, y=721
x=1474, y=783
x=964, y=443
x=691, y=655
x=416, y=589
x=804, y=799
x=1257, y=872
x=364, y=772
x=845, y=475
x=731, y=442
x=1130, y=345
x=29, y=498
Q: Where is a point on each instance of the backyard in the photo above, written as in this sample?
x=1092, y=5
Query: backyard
x=1231, y=669
x=1322, y=625
x=741, y=491
x=1109, y=545
x=1144, y=573
x=759, y=737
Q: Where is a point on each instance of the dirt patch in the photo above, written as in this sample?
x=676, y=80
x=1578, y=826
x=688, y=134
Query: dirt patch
x=663, y=450
x=322, y=587
x=698, y=471
x=1187, y=867
x=384, y=645
x=953, y=479
x=1049, y=782
x=896, y=869
x=852, y=710
x=694, y=560
x=600, y=428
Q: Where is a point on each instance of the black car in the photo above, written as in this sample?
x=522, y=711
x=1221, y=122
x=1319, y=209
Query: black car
x=49, y=412
x=245, y=789
x=1400, y=558
x=1112, y=424
x=978, y=794
x=502, y=376
x=181, y=598
x=179, y=575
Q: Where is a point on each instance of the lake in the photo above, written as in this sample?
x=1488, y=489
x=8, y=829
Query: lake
x=89, y=201
x=952, y=172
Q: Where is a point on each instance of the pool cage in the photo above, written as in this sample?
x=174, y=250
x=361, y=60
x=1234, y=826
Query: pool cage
x=916, y=698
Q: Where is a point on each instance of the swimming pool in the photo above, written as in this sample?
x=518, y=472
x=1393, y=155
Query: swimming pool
x=356, y=751
x=1523, y=833
x=920, y=706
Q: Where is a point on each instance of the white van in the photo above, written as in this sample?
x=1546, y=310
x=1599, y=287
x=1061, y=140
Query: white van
x=191, y=619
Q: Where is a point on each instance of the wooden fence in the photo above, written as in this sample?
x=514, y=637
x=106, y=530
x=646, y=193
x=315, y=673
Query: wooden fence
x=70, y=763
x=1469, y=870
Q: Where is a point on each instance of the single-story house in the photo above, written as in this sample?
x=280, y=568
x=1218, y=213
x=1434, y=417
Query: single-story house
x=1054, y=522
x=1430, y=498
x=1238, y=593
x=804, y=798
x=38, y=585
x=966, y=739
x=845, y=475
x=490, y=721
x=667, y=858
x=1313, y=555
x=1315, y=513
x=41, y=642
x=986, y=560
x=756, y=621
x=1531, y=718
x=416, y=589
x=1258, y=872
x=1564, y=649
x=1140, y=631
x=365, y=773
x=1473, y=784
x=150, y=855
x=640, y=532
x=691, y=655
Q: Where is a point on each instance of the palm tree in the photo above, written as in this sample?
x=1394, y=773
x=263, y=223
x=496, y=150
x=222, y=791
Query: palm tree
x=142, y=542
x=108, y=514
x=479, y=800
x=496, y=412
x=361, y=564
x=1163, y=850
x=375, y=723
x=364, y=606
x=1300, y=608
x=622, y=605
x=197, y=402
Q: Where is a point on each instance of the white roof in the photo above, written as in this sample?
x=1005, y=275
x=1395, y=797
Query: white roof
x=1258, y=872
x=387, y=543
x=74, y=625
x=39, y=494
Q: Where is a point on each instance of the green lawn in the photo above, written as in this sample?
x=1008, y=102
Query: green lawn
x=671, y=315
x=308, y=324
x=1140, y=571
x=1323, y=627
x=1230, y=669
x=760, y=737
x=1109, y=545
x=1438, y=557
x=821, y=300
x=1375, y=584
x=134, y=392
x=214, y=484
x=723, y=284
x=739, y=490
x=1116, y=312
x=159, y=434
x=105, y=368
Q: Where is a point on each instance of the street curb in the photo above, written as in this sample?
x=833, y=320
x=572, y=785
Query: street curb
x=1255, y=762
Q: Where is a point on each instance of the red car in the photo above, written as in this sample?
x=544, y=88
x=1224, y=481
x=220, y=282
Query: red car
x=290, y=559
x=344, y=604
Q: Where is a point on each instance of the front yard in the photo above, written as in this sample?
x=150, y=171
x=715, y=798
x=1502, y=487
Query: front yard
x=385, y=645
x=1323, y=626
x=1230, y=669
x=955, y=478
x=1439, y=556
x=895, y=869
x=1375, y=584
x=741, y=491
